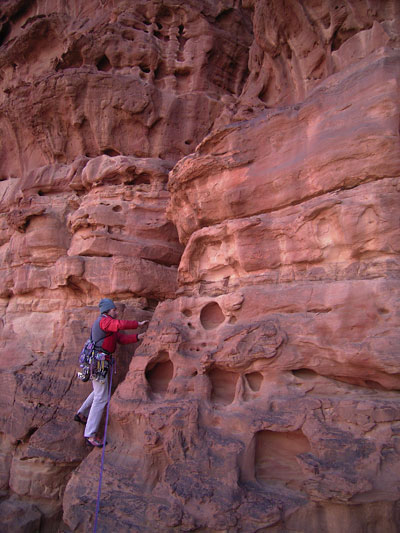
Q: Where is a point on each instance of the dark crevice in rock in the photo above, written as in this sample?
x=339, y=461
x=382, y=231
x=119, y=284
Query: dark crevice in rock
x=104, y=64
x=151, y=304
x=29, y=434
x=5, y=29
x=111, y=152
x=140, y=179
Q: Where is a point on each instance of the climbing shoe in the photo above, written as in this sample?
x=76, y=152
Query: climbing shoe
x=77, y=418
x=92, y=441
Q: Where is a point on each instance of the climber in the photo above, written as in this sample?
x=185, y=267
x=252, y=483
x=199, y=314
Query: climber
x=105, y=334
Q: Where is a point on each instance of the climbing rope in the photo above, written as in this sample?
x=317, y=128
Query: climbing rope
x=110, y=372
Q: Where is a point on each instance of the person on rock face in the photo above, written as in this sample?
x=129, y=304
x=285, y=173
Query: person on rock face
x=106, y=333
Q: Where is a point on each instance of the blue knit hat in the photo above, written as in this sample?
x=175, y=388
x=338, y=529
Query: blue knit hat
x=106, y=304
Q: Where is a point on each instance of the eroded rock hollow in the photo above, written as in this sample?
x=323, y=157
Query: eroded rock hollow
x=228, y=170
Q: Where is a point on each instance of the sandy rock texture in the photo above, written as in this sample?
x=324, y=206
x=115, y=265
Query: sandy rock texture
x=228, y=170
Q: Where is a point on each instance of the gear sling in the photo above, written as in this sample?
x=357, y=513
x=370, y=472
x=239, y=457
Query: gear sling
x=94, y=360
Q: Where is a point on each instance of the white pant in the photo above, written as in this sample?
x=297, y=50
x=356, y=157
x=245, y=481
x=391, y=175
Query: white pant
x=93, y=407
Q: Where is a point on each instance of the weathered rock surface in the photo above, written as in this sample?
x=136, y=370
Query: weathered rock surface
x=229, y=170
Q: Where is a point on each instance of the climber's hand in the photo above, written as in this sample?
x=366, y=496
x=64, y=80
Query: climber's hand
x=143, y=323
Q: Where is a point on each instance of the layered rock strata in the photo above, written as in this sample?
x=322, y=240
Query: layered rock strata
x=230, y=171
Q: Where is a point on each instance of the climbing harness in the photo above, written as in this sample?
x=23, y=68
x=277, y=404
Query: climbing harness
x=104, y=448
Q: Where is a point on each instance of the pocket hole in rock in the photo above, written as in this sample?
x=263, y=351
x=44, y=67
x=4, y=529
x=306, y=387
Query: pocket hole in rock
x=254, y=379
x=223, y=386
x=104, y=64
x=140, y=179
x=305, y=373
x=211, y=316
x=275, y=457
x=159, y=374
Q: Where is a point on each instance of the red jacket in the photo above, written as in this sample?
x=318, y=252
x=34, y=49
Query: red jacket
x=114, y=326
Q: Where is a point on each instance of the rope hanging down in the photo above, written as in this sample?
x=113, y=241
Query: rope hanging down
x=110, y=373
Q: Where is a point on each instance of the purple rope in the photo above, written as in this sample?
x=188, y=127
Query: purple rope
x=104, y=448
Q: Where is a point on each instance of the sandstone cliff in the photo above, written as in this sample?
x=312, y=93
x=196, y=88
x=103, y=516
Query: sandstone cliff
x=228, y=170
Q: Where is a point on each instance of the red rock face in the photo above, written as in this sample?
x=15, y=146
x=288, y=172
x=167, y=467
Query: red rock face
x=232, y=174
